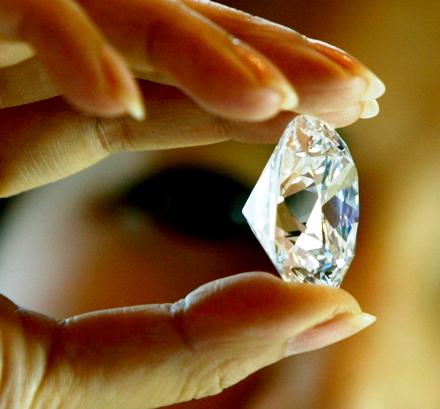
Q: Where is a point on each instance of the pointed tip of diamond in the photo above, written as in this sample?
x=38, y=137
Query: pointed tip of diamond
x=304, y=208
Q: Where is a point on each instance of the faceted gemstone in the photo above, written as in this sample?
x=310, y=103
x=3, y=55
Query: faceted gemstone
x=304, y=209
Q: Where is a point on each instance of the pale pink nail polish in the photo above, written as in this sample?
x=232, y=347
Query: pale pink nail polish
x=329, y=332
x=121, y=84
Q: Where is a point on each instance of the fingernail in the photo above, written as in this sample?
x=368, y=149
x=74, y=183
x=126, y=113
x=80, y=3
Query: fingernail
x=369, y=109
x=121, y=84
x=134, y=107
x=330, y=332
x=290, y=97
x=267, y=75
x=337, y=55
x=376, y=88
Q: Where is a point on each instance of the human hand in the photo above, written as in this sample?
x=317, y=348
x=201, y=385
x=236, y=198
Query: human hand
x=189, y=44
x=150, y=356
x=155, y=355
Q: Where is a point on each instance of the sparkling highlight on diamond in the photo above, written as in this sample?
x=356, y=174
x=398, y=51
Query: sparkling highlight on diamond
x=304, y=209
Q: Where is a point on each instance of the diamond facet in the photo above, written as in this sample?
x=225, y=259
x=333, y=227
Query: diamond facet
x=304, y=209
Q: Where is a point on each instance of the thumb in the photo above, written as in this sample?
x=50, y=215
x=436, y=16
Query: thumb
x=152, y=356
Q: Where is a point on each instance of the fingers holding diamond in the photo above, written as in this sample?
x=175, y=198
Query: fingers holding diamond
x=362, y=110
x=223, y=74
x=48, y=140
x=169, y=41
x=213, y=338
x=326, y=78
x=310, y=186
x=83, y=66
x=309, y=76
x=234, y=65
x=343, y=118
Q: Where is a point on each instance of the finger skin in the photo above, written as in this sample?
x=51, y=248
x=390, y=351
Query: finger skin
x=326, y=79
x=343, y=118
x=25, y=83
x=151, y=356
x=224, y=75
x=47, y=141
x=13, y=52
x=80, y=62
x=25, y=343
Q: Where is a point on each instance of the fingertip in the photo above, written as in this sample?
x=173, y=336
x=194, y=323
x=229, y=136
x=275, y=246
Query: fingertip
x=136, y=109
x=365, y=109
x=376, y=88
x=342, y=118
x=291, y=99
x=109, y=92
x=369, y=109
x=267, y=75
x=329, y=332
x=259, y=319
x=120, y=85
x=81, y=63
x=253, y=105
x=259, y=302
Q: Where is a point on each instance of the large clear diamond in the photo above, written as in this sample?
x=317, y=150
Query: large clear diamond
x=304, y=209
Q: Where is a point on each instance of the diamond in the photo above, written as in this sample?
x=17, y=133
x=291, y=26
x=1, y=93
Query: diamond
x=304, y=209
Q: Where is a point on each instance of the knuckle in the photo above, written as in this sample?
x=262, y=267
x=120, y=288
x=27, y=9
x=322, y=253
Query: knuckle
x=113, y=136
x=221, y=128
x=210, y=371
x=178, y=316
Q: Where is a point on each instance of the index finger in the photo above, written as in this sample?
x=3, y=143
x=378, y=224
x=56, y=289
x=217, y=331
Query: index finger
x=47, y=140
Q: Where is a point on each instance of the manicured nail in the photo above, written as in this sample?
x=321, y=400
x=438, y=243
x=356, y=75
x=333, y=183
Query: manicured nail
x=376, y=88
x=267, y=75
x=287, y=97
x=134, y=107
x=369, y=109
x=290, y=97
x=329, y=332
x=336, y=54
x=121, y=84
